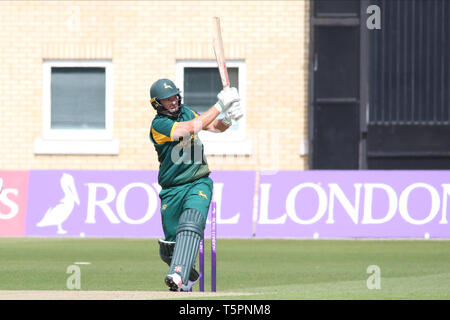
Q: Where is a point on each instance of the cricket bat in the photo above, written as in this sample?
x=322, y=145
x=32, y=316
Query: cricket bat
x=219, y=52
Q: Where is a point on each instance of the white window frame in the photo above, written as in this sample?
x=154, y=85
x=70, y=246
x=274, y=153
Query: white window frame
x=233, y=142
x=76, y=141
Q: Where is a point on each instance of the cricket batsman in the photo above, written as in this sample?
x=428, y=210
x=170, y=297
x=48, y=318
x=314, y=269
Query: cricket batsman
x=184, y=174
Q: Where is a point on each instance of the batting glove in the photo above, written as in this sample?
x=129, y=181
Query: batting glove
x=235, y=112
x=226, y=98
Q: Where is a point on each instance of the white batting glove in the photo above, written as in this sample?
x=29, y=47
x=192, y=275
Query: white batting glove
x=226, y=98
x=235, y=112
x=227, y=120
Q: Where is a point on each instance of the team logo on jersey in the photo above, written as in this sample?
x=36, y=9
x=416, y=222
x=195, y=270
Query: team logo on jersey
x=201, y=194
x=167, y=86
x=164, y=207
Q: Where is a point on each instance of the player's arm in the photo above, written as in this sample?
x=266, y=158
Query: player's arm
x=235, y=112
x=218, y=126
x=226, y=98
x=201, y=122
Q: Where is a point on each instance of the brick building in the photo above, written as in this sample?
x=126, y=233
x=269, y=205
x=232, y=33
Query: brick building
x=55, y=51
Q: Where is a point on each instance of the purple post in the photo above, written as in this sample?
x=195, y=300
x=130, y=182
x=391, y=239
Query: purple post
x=213, y=247
x=201, y=262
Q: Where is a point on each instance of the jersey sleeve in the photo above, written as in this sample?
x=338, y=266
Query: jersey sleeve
x=162, y=130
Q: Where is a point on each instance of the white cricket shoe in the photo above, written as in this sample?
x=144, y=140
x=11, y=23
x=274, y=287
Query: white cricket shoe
x=174, y=282
x=194, y=276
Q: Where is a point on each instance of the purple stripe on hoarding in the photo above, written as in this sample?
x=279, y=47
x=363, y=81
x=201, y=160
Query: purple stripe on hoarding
x=88, y=203
x=124, y=203
x=233, y=195
x=290, y=204
x=354, y=204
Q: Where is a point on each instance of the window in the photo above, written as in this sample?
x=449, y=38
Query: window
x=77, y=98
x=200, y=83
x=77, y=108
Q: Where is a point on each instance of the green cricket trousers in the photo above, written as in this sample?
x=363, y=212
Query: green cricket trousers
x=174, y=200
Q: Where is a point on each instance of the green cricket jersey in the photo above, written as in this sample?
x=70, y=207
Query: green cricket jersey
x=180, y=161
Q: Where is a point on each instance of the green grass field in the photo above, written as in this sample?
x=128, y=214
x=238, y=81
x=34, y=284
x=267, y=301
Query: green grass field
x=271, y=269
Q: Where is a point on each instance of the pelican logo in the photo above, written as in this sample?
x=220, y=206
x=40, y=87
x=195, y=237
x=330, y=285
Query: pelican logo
x=201, y=194
x=167, y=86
x=55, y=216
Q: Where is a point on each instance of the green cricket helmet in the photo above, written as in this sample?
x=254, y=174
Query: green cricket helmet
x=163, y=89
